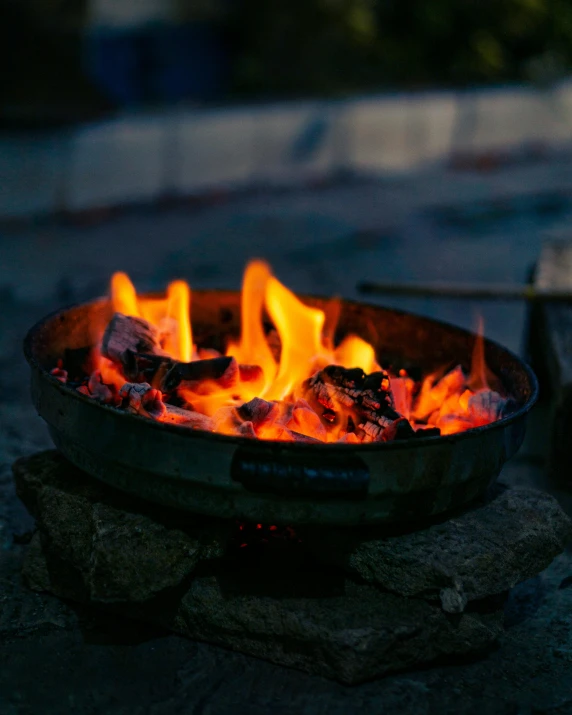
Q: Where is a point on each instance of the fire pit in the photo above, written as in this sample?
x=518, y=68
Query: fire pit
x=134, y=398
x=245, y=472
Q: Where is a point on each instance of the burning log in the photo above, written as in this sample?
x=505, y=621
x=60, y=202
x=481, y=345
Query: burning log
x=59, y=373
x=271, y=420
x=200, y=374
x=126, y=335
x=487, y=406
x=161, y=371
x=187, y=418
x=145, y=367
x=363, y=402
x=435, y=392
x=144, y=400
x=294, y=421
x=208, y=353
x=97, y=390
x=189, y=374
x=256, y=411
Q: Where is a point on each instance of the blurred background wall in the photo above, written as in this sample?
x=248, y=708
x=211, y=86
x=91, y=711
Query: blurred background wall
x=67, y=59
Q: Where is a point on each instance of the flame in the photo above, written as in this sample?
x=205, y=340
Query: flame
x=124, y=296
x=253, y=348
x=355, y=352
x=110, y=373
x=300, y=330
x=180, y=339
x=270, y=370
x=478, y=377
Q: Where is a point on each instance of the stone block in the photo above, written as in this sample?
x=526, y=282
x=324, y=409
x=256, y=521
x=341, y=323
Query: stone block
x=213, y=580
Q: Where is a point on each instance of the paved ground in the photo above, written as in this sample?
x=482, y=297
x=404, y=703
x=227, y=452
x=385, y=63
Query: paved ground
x=444, y=225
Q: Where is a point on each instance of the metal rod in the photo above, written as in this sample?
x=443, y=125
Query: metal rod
x=466, y=291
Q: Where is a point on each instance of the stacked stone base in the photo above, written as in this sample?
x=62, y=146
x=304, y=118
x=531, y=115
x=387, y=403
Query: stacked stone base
x=346, y=604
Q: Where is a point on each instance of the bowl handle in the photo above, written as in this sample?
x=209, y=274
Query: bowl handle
x=344, y=476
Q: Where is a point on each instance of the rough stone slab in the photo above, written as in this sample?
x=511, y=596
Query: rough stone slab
x=481, y=552
x=357, y=636
x=114, y=553
x=92, y=546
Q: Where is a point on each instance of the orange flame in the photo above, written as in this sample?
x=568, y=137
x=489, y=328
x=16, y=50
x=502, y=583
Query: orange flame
x=452, y=402
x=124, y=296
x=355, y=352
x=180, y=338
x=300, y=330
x=253, y=348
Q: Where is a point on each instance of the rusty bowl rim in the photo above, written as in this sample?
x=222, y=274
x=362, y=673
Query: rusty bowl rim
x=199, y=434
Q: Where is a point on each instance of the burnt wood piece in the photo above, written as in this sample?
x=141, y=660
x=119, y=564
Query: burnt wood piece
x=181, y=374
x=285, y=422
x=99, y=391
x=60, y=374
x=125, y=335
x=550, y=350
x=142, y=399
x=168, y=375
x=186, y=418
x=364, y=401
x=78, y=363
x=146, y=367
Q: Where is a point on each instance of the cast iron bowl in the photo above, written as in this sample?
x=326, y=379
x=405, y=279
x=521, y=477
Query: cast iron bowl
x=278, y=482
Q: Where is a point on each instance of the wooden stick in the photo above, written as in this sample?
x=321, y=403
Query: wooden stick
x=466, y=291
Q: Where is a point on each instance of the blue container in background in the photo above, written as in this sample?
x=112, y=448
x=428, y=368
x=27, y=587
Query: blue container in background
x=159, y=63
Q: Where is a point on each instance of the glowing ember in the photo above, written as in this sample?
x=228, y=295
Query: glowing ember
x=290, y=384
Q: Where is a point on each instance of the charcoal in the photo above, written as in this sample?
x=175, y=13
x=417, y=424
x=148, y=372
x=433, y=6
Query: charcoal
x=184, y=374
x=488, y=405
x=250, y=373
x=60, y=374
x=304, y=438
x=364, y=401
x=256, y=411
x=186, y=418
x=99, y=391
x=289, y=421
x=208, y=353
x=78, y=362
x=142, y=399
x=146, y=367
x=125, y=335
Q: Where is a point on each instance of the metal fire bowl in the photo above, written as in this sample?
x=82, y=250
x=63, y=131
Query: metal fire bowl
x=277, y=482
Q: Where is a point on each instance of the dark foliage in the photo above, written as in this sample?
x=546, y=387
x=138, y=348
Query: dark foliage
x=341, y=45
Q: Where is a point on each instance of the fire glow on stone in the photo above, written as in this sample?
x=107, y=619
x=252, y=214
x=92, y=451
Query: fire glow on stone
x=292, y=384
